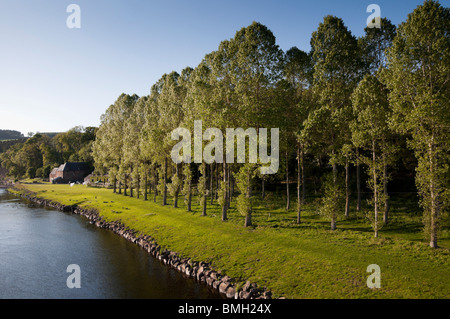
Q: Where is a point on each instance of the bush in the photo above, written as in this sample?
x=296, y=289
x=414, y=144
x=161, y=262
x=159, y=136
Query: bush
x=40, y=172
x=31, y=172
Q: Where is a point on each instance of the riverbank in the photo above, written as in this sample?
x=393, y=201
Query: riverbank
x=201, y=271
x=291, y=261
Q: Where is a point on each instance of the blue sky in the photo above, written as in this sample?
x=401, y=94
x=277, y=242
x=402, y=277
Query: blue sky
x=53, y=78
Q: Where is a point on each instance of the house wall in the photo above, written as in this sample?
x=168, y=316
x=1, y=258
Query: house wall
x=68, y=176
x=53, y=175
x=71, y=176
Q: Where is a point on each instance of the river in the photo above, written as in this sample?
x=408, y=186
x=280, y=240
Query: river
x=38, y=244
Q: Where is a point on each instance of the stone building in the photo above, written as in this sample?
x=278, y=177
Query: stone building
x=69, y=172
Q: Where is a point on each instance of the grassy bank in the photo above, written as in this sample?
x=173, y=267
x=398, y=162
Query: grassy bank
x=294, y=261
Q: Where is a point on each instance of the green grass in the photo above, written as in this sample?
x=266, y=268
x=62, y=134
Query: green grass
x=294, y=261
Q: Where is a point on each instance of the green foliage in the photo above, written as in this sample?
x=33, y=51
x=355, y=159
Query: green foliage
x=38, y=155
x=221, y=193
x=417, y=76
x=161, y=185
x=31, y=172
x=187, y=189
x=202, y=189
x=244, y=184
x=174, y=186
x=347, y=96
x=373, y=45
x=332, y=200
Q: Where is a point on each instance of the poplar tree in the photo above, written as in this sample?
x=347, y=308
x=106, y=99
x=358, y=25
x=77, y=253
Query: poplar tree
x=198, y=105
x=108, y=150
x=152, y=135
x=224, y=105
x=187, y=186
x=418, y=79
x=131, y=144
x=334, y=54
x=297, y=71
x=255, y=67
x=370, y=131
x=373, y=46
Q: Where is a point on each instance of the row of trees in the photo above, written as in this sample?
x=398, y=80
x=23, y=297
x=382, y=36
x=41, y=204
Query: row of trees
x=351, y=101
x=38, y=155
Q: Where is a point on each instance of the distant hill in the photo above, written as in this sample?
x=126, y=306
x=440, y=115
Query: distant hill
x=10, y=135
x=49, y=134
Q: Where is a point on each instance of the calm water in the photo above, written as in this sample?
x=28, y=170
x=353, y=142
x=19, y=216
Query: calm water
x=37, y=245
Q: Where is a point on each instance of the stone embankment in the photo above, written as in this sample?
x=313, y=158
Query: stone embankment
x=200, y=271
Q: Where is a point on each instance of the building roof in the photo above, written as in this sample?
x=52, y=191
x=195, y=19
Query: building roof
x=71, y=167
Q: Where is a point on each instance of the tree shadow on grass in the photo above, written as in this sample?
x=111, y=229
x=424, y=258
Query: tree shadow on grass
x=403, y=229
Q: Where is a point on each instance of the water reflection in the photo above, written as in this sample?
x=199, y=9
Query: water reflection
x=37, y=245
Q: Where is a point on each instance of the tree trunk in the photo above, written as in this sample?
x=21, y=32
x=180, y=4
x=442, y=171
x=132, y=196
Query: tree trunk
x=225, y=200
x=131, y=182
x=385, y=191
x=333, y=214
x=138, y=186
x=433, y=198
x=189, y=196
x=125, y=185
x=165, y=182
x=211, y=181
x=302, y=157
x=175, y=197
x=347, y=189
x=204, y=206
x=155, y=185
x=248, y=219
x=262, y=187
x=375, y=190
x=288, y=202
x=232, y=181
x=204, y=190
x=333, y=223
x=358, y=182
x=248, y=216
x=145, y=184
x=299, y=199
x=131, y=187
x=229, y=186
x=114, y=184
x=216, y=193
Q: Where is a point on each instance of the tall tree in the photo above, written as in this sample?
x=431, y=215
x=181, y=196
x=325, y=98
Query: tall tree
x=373, y=46
x=256, y=65
x=170, y=106
x=199, y=105
x=336, y=64
x=418, y=76
x=150, y=140
x=108, y=148
x=297, y=71
x=371, y=132
x=132, y=146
